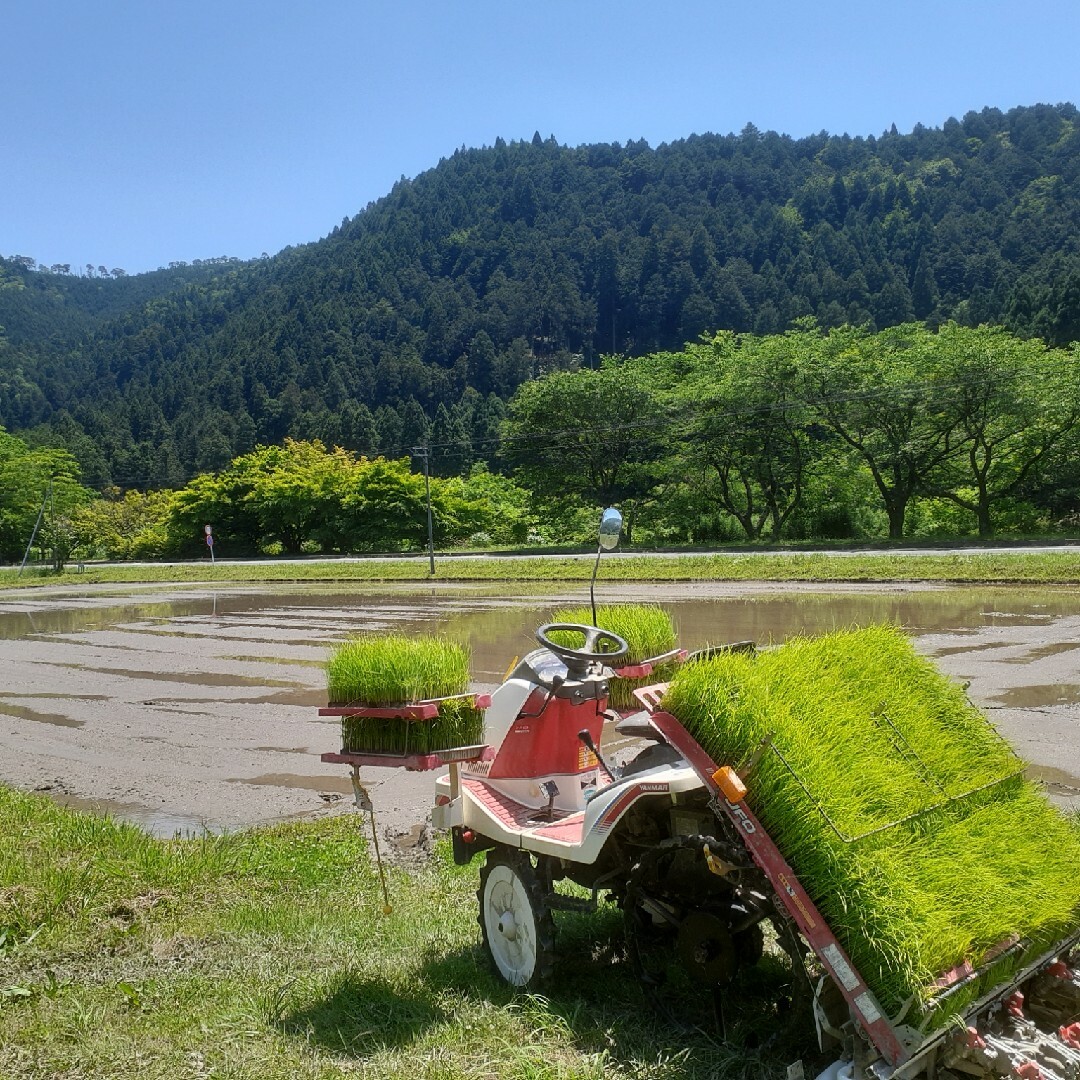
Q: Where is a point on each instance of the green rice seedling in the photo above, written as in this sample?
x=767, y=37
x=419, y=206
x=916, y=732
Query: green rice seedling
x=895, y=801
x=392, y=669
x=647, y=628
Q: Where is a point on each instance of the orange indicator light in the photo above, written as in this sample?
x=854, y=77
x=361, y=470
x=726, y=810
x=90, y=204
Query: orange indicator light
x=727, y=780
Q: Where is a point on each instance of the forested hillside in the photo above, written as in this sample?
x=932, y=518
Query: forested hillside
x=60, y=304
x=417, y=319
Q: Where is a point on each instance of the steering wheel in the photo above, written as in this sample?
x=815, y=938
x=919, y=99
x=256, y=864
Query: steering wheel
x=592, y=649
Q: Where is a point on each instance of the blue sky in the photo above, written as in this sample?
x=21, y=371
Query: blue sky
x=137, y=132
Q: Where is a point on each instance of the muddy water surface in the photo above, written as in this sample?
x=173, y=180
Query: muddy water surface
x=188, y=709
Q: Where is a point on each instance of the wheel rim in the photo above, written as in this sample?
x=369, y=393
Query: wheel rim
x=511, y=925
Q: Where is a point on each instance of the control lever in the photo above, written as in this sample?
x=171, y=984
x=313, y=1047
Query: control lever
x=550, y=789
x=587, y=739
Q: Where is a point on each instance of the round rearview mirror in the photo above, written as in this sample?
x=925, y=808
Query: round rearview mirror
x=610, y=527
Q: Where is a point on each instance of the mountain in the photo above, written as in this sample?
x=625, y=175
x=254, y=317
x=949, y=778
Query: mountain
x=416, y=318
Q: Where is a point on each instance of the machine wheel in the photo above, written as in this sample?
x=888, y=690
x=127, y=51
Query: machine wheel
x=658, y=945
x=699, y=977
x=518, y=930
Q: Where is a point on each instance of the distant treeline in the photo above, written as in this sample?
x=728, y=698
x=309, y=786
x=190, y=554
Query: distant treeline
x=814, y=434
x=808, y=435
x=429, y=309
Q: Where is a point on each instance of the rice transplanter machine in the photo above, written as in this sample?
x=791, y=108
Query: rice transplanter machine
x=705, y=892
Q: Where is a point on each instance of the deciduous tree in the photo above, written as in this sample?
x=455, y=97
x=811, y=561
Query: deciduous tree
x=745, y=427
x=884, y=397
x=1015, y=403
x=596, y=435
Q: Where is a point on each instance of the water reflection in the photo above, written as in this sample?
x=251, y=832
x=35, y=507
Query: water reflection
x=1039, y=697
x=498, y=621
x=24, y=712
x=160, y=823
x=705, y=612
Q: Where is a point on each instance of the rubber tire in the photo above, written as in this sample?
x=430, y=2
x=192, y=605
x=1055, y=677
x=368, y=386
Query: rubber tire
x=516, y=923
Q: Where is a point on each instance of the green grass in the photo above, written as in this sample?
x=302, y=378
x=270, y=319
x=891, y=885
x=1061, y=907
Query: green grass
x=265, y=955
x=866, y=792
x=1008, y=568
x=394, y=669
x=646, y=628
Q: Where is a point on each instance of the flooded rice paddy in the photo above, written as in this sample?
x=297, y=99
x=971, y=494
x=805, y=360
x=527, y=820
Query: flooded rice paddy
x=185, y=709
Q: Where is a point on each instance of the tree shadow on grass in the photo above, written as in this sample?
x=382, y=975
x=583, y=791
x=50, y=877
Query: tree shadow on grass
x=595, y=996
x=593, y=1003
x=603, y=1005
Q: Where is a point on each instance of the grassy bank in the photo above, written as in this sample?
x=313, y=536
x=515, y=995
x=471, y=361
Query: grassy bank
x=266, y=955
x=1014, y=567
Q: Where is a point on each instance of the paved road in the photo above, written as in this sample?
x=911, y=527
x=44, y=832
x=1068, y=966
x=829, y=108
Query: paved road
x=1066, y=548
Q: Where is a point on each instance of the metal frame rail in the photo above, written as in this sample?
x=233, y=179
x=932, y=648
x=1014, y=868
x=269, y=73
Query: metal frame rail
x=860, y=999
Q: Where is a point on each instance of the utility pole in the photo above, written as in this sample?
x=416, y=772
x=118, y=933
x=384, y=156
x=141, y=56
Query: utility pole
x=37, y=525
x=422, y=453
x=52, y=522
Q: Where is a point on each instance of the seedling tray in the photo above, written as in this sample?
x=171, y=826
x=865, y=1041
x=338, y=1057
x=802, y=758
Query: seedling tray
x=417, y=758
x=413, y=762
x=415, y=710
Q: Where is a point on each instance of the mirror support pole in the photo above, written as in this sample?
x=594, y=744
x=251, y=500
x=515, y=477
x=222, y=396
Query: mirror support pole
x=592, y=584
x=610, y=527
